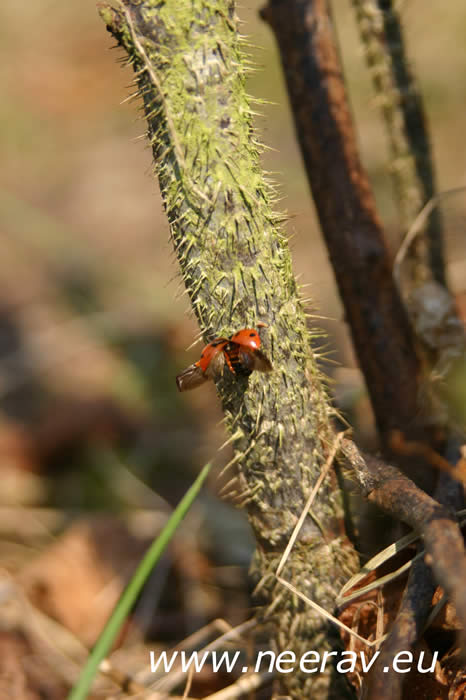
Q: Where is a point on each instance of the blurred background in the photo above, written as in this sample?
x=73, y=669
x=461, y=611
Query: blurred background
x=96, y=444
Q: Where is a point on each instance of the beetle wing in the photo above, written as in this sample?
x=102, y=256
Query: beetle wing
x=210, y=352
x=261, y=362
x=216, y=364
x=242, y=360
x=190, y=378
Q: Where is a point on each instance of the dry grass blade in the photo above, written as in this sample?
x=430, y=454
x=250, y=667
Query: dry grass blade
x=417, y=227
x=373, y=563
x=243, y=686
x=379, y=559
x=329, y=616
x=310, y=500
x=379, y=582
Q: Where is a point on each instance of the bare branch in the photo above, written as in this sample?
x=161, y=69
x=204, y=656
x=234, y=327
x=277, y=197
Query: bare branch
x=416, y=604
x=402, y=499
x=346, y=208
x=407, y=628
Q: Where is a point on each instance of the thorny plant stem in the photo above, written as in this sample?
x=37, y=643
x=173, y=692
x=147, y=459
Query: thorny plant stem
x=236, y=266
x=402, y=108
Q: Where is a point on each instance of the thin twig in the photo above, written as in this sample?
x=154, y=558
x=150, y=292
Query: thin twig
x=415, y=610
x=418, y=226
x=243, y=686
x=346, y=208
x=402, y=499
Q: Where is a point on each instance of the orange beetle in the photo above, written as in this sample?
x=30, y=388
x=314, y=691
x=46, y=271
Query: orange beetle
x=243, y=354
x=240, y=352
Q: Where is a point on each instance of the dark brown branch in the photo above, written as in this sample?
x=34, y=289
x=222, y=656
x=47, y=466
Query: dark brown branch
x=397, y=495
x=346, y=208
x=414, y=610
x=415, y=607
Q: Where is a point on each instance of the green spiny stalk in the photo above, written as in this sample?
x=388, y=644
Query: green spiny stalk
x=411, y=159
x=236, y=266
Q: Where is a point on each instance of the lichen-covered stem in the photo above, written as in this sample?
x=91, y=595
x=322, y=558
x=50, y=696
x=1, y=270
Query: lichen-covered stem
x=236, y=267
x=406, y=125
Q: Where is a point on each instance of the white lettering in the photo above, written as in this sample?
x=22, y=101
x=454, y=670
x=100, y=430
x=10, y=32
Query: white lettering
x=399, y=659
x=195, y=658
x=367, y=667
x=286, y=657
x=432, y=666
x=259, y=660
x=286, y=661
x=167, y=666
x=326, y=655
x=314, y=655
x=347, y=665
x=226, y=656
